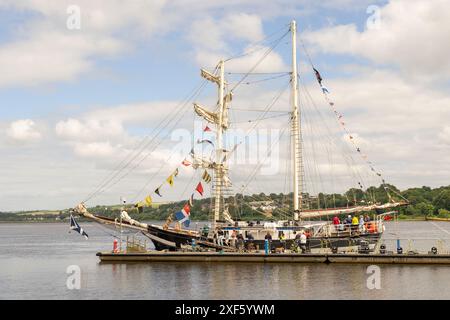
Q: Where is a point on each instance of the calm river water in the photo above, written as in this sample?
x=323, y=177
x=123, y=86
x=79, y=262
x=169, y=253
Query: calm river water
x=34, y=259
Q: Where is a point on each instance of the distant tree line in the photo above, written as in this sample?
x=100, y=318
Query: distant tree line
x=423, y=201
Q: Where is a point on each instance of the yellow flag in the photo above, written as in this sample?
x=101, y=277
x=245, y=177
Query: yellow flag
x=170, y=180
x=148, y=201
x=206, y=177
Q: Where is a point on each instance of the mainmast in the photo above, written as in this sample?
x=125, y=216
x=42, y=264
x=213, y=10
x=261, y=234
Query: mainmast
x=295, y=133
x=218, y=172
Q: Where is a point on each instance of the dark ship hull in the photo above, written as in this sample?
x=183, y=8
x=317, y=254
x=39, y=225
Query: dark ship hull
x=179, y=239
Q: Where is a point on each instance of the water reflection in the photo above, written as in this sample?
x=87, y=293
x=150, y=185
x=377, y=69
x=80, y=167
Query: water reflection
x=33, y=262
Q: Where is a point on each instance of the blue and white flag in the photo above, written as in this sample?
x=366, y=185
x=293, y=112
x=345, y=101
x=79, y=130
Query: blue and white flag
x=75, y=226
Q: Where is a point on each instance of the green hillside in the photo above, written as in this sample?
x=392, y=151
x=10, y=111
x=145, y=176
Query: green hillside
x=424, y=201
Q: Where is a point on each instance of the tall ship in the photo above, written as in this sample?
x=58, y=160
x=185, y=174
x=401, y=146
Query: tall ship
x=326, y=224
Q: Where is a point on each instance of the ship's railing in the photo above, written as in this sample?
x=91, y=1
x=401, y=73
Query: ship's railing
x=134, y=244
x=343, y=229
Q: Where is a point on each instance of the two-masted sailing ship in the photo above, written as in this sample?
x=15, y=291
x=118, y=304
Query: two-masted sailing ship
x=282, y=233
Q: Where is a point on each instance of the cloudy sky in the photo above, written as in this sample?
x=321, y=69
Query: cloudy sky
x=75, y=102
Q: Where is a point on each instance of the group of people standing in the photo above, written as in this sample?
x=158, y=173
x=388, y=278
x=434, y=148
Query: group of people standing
x=361, y=224
x=234, y=239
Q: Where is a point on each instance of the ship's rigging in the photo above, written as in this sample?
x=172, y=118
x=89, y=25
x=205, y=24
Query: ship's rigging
x=310, y=144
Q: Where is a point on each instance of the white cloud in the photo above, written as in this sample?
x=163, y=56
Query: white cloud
x=51, y=56
x=243, y=26
x=89, y=130
x=213, y=38
x=45, y=51
x=95, y=149
x=23, y=131
x=413, y=36
x=444, y=135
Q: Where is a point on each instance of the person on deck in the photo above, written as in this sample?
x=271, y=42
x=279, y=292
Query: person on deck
x=282, y=239
x=361, y=224
x=308, y=235
x=355, y=223
x=268, y=236
x=336, y=223
x=233, y=238
x=348, y=222
x=248, y=243
x=220, y=239
x=303, y=240
x=297, y=239
x=240, y=242
x=336, y=220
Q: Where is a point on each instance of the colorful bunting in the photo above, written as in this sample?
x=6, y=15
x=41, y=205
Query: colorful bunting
x=206, y=177
x=157, y=191
x=149, y=201
x=319, y=78
x=206, y=129
x=205, y=140
x=191, y=200
x=75, y=226
x=186, y=163
x=183, y=216
x=199, y=188
x=339, y=117
x=324, y=89
x=175, y=173
x=170, y=180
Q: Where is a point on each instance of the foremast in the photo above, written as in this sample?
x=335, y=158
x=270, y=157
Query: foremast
x=220, y=120
x=295, y=129
x=218, y=168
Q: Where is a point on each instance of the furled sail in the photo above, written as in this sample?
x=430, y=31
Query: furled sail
x=209, y=76
x=227, y=216
x=337, y=211
x=226, y=101
x=205, y=114
x=211, y=117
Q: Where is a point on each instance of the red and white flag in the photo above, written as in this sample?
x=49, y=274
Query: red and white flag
x=199, y=188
